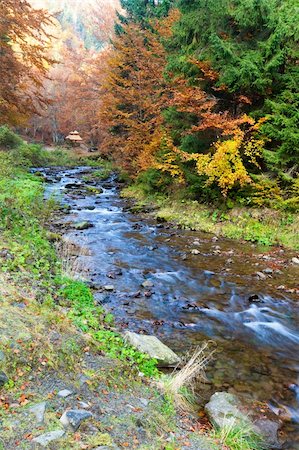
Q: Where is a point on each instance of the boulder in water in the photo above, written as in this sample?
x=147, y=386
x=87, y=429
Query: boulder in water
x=82, y=225
x=153, y=347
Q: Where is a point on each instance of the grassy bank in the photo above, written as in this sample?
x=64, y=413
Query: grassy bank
x=260, y=225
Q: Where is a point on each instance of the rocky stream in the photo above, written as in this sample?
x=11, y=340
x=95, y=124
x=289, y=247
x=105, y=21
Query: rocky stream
x=187, y=287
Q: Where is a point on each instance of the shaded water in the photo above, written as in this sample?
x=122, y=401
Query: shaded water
x=194, y=296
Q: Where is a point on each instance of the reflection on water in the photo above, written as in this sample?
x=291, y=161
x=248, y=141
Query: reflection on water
x=194, y=296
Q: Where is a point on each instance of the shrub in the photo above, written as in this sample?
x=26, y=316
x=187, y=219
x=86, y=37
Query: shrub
x=8, y=139
x=6, y=165
x=153, y=181
x=30, y=155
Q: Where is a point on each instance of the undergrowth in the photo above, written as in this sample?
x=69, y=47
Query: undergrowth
x=92, y=319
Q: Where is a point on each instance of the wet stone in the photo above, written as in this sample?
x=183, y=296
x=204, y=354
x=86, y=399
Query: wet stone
x=147, y=284
x=261, y=275
x=109, y=287
x=254, y=298
x=269, y=430
x=82, y=225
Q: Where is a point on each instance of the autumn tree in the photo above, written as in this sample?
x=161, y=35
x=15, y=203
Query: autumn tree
x=133, y=97
x=24, y=59
x=222, y=146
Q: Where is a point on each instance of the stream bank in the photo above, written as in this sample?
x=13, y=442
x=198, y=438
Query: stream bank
x=258, y=225
x=198, y=288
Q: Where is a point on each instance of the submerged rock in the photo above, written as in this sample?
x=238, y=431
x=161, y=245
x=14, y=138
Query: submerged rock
x=153, y=347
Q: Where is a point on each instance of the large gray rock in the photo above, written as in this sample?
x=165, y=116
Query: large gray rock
x=153, y=347
x=223, y=410
x=45, y=439
x=74, y=417
x=268, y=429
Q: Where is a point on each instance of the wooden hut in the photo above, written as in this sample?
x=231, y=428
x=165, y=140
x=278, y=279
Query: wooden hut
x=74, y=138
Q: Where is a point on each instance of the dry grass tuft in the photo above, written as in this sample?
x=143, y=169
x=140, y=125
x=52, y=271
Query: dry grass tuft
x=179, y=386
x=70, y=255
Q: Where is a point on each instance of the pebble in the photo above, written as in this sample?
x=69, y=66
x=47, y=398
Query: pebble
x=295, y=260
x=64, y=393
x=144, y=401
x=195, y=251
x=84, y=405
x=261, y=275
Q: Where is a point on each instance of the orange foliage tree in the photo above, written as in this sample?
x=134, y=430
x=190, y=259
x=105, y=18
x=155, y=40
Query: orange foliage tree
x=24, y=59
x=134, y=95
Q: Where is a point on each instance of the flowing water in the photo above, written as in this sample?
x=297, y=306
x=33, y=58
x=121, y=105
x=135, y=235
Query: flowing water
x=201, y=289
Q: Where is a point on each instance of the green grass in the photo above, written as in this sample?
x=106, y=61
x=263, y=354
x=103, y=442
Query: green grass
x=238, y=437
x=93, y=320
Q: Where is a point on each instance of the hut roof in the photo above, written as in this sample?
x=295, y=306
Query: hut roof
x=74, y=136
